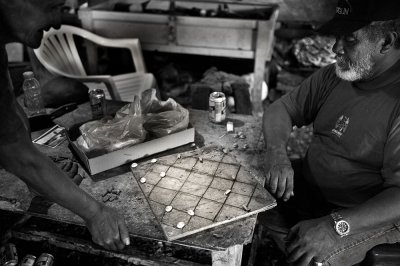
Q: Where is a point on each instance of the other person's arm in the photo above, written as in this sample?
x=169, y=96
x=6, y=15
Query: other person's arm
x=21, y=158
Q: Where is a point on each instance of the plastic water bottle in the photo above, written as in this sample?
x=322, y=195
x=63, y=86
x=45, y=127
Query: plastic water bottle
x=32, y=93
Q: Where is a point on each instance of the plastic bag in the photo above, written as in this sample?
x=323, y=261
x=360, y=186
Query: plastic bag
x=131, y=124
x=102, y=136
x=162, y=118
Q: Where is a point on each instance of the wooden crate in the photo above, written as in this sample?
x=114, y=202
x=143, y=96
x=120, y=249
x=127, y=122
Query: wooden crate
x=209, y=36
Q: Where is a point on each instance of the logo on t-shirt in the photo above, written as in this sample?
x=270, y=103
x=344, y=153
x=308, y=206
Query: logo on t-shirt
x=341, y=126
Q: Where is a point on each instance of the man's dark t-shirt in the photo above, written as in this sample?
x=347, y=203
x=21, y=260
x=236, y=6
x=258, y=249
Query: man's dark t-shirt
x=355, y=150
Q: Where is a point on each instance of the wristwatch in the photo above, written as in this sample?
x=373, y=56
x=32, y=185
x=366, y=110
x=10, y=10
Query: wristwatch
x=342, y=227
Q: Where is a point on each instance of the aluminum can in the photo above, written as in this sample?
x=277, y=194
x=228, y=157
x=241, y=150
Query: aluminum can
x=217, y=107
x=8, y=255
x=45, y=259
x=28, y=260
x=97, y=103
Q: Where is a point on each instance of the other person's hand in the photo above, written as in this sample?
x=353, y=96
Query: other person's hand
x=69, y=167
x=108, y=228
x=279, y=180
x=309, y=239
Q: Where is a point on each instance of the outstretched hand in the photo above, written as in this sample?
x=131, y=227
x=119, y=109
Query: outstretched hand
x=309, y=240
x=106, y=226
x=108, y=229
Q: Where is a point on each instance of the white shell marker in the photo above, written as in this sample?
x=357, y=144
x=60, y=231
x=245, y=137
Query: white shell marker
x=134, y=165
x=168, y=208
x=162, y=174
x=229, y=126
x=142, y=180
x=190, y=212
x=180, y=225
x=153, y=160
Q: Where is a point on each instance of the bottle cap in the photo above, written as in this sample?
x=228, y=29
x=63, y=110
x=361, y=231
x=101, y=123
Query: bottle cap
x=28, y=74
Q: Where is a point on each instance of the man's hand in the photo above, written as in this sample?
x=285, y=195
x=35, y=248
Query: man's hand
x=71, y=169
x=279, y=180
x=309, y=239
x=108, y=229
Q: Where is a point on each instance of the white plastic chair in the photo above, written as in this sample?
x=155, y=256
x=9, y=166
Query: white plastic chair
x=59, y=55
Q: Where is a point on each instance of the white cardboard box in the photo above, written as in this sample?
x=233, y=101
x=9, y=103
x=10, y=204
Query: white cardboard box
x=119, y=157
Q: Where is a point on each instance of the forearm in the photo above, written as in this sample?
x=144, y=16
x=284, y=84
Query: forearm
x=382, y=209
x=277, y=127
x=39, y=172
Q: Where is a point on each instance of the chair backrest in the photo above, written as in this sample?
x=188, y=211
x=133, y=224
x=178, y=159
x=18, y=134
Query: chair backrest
x=59, y=54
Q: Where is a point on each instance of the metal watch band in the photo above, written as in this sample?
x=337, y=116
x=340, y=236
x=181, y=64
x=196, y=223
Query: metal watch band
x=336, y=216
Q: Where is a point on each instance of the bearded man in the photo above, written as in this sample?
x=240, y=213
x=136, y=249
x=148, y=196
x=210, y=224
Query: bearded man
x=24, y=21
x=344, y=197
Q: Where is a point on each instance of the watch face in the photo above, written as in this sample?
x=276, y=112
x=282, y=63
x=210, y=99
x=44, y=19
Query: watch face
x=342, y=227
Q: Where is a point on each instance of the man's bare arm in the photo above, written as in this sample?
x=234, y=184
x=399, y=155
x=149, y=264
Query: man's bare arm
x=38, y=171
x=277, y=126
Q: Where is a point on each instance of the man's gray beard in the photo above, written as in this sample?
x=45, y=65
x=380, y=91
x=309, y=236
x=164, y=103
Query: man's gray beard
x=358, y=70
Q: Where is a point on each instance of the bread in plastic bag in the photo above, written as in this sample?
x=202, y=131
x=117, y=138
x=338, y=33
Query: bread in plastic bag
x=162, y=118
x=131, y=124
x=102, y=136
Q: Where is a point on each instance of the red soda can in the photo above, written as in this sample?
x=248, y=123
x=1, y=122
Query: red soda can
x=8, y=255
x=45, y=259
x=28, y=260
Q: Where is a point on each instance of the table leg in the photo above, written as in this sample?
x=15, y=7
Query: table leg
x=229, y=257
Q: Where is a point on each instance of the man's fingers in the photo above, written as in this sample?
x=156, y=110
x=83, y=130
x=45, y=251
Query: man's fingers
x=66, y=166
x=74, y=168
x=273, y=182
x=295, y=254
x=267, y=179
x=292, y=234
x=118, y=242
x=281, y=186
x=70, y=168
x=123, y=232
x=109, y=244
x=77, y=179
x=289, y=189
x=97, y=240
x=292, y=245
x=304, y=260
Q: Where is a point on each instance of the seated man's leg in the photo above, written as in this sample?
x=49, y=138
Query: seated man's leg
x=352, y=249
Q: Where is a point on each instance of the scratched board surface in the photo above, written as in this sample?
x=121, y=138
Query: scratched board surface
x=198, y=190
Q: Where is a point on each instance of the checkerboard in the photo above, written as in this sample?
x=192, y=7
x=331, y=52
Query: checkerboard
x=205, y=188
